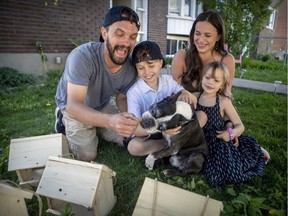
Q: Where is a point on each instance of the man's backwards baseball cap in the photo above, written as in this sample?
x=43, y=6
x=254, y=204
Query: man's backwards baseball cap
x=147, y=51
x=119, y=13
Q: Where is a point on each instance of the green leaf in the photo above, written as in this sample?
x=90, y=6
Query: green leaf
x=231, y=192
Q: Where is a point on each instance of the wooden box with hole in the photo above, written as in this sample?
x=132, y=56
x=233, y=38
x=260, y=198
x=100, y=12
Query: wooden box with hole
x=81, y=187
x=28, y=156
x=12, y=200
x=159, y=199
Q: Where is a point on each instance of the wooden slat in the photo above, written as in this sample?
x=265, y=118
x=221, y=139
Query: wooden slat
x=33, y=152
x=171, y=200
x=72, y=180
x=12, y=200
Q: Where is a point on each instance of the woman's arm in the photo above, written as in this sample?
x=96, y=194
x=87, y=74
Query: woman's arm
x=178, y=66
x=229, y=61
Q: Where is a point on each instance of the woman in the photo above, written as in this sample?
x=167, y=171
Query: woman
x=206, y=45
x=207, y=38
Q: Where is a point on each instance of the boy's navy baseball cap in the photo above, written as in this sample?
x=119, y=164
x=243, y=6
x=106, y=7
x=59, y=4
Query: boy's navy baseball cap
x=120, y=13
x=145, y=51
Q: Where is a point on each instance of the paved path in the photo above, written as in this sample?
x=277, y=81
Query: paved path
x=262, y=86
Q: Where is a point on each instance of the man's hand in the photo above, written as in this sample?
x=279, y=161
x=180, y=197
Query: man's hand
x=123, y=124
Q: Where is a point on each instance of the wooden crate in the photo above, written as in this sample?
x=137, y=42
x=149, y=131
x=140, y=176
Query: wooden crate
x=88, y=187
x=28, y=156
x=159, y=199
x=12, y=200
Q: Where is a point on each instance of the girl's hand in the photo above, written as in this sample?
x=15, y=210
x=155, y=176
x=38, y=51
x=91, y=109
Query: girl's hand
x=224, y=135
x=236, y=142
x=173, y=131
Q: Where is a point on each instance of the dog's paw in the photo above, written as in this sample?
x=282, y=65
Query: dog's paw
x=149, y=162
x=171, y=172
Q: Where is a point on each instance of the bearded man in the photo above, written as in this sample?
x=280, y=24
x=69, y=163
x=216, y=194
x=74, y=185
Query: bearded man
x=91, y=94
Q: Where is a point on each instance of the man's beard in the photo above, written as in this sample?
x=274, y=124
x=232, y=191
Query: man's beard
x=111, y=52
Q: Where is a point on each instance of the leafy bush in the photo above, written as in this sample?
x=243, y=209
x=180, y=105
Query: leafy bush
x=168, y=61
x=265, y=57
x=256, y=64
x=10, y=78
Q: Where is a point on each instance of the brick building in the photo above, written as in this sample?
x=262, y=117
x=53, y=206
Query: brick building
x=51, y=26
x=28, y=26
x=273, y=38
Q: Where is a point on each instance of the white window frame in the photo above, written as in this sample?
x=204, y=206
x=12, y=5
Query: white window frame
x=182, y=9
x=175, y=12
x=144, y=21
x=178, y=39
x=272, y=18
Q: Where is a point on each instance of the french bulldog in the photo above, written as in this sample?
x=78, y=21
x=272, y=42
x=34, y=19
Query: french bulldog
x=188, y=148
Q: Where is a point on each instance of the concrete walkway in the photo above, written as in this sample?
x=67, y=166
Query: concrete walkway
x=262, y=86
x=256, y=85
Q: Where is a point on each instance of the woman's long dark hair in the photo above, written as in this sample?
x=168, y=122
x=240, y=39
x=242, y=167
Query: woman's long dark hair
x=193, y=62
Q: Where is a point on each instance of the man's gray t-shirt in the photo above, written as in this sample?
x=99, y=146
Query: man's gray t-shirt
x=86, y=66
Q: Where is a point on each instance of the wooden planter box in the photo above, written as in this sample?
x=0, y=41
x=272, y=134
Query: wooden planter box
x=28, y=156
x=12, y=200
x=160, y=199
x=86, y=187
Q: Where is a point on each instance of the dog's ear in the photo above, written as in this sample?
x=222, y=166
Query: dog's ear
x=173, y=98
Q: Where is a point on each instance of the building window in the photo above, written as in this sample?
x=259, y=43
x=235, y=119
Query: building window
x=182, y=8
x=173, y=45
x=271, y=20
x=174, y=7
x=141, y=10
x=140, y=6
x=187, y=8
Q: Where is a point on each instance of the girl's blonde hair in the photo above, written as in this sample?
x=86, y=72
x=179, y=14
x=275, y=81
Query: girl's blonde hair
x=225, y=91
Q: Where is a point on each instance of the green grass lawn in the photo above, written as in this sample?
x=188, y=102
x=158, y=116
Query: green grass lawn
x=269, y=71
x=29, y=111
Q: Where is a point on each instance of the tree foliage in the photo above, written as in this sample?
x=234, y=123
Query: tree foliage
x=244, y=19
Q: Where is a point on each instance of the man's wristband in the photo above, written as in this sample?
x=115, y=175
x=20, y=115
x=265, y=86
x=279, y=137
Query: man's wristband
x=231, y=134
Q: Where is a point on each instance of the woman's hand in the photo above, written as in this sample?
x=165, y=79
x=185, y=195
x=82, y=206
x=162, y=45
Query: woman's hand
x=188, y=97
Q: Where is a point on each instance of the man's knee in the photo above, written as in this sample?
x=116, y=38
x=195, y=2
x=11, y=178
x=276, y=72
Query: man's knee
x=85, y=156
x=82, y=154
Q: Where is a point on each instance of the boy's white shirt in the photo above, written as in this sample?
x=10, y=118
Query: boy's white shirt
x=141, y=96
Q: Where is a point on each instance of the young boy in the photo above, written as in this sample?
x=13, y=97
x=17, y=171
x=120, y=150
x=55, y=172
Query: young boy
x=150, y=88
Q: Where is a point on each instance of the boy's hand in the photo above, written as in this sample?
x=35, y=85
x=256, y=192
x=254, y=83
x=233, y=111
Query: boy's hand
x=189, y=98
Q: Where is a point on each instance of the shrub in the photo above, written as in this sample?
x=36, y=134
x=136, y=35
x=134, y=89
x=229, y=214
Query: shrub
x=256, y=64
x=10, y=78
x=168, y=60
x=264, y=57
